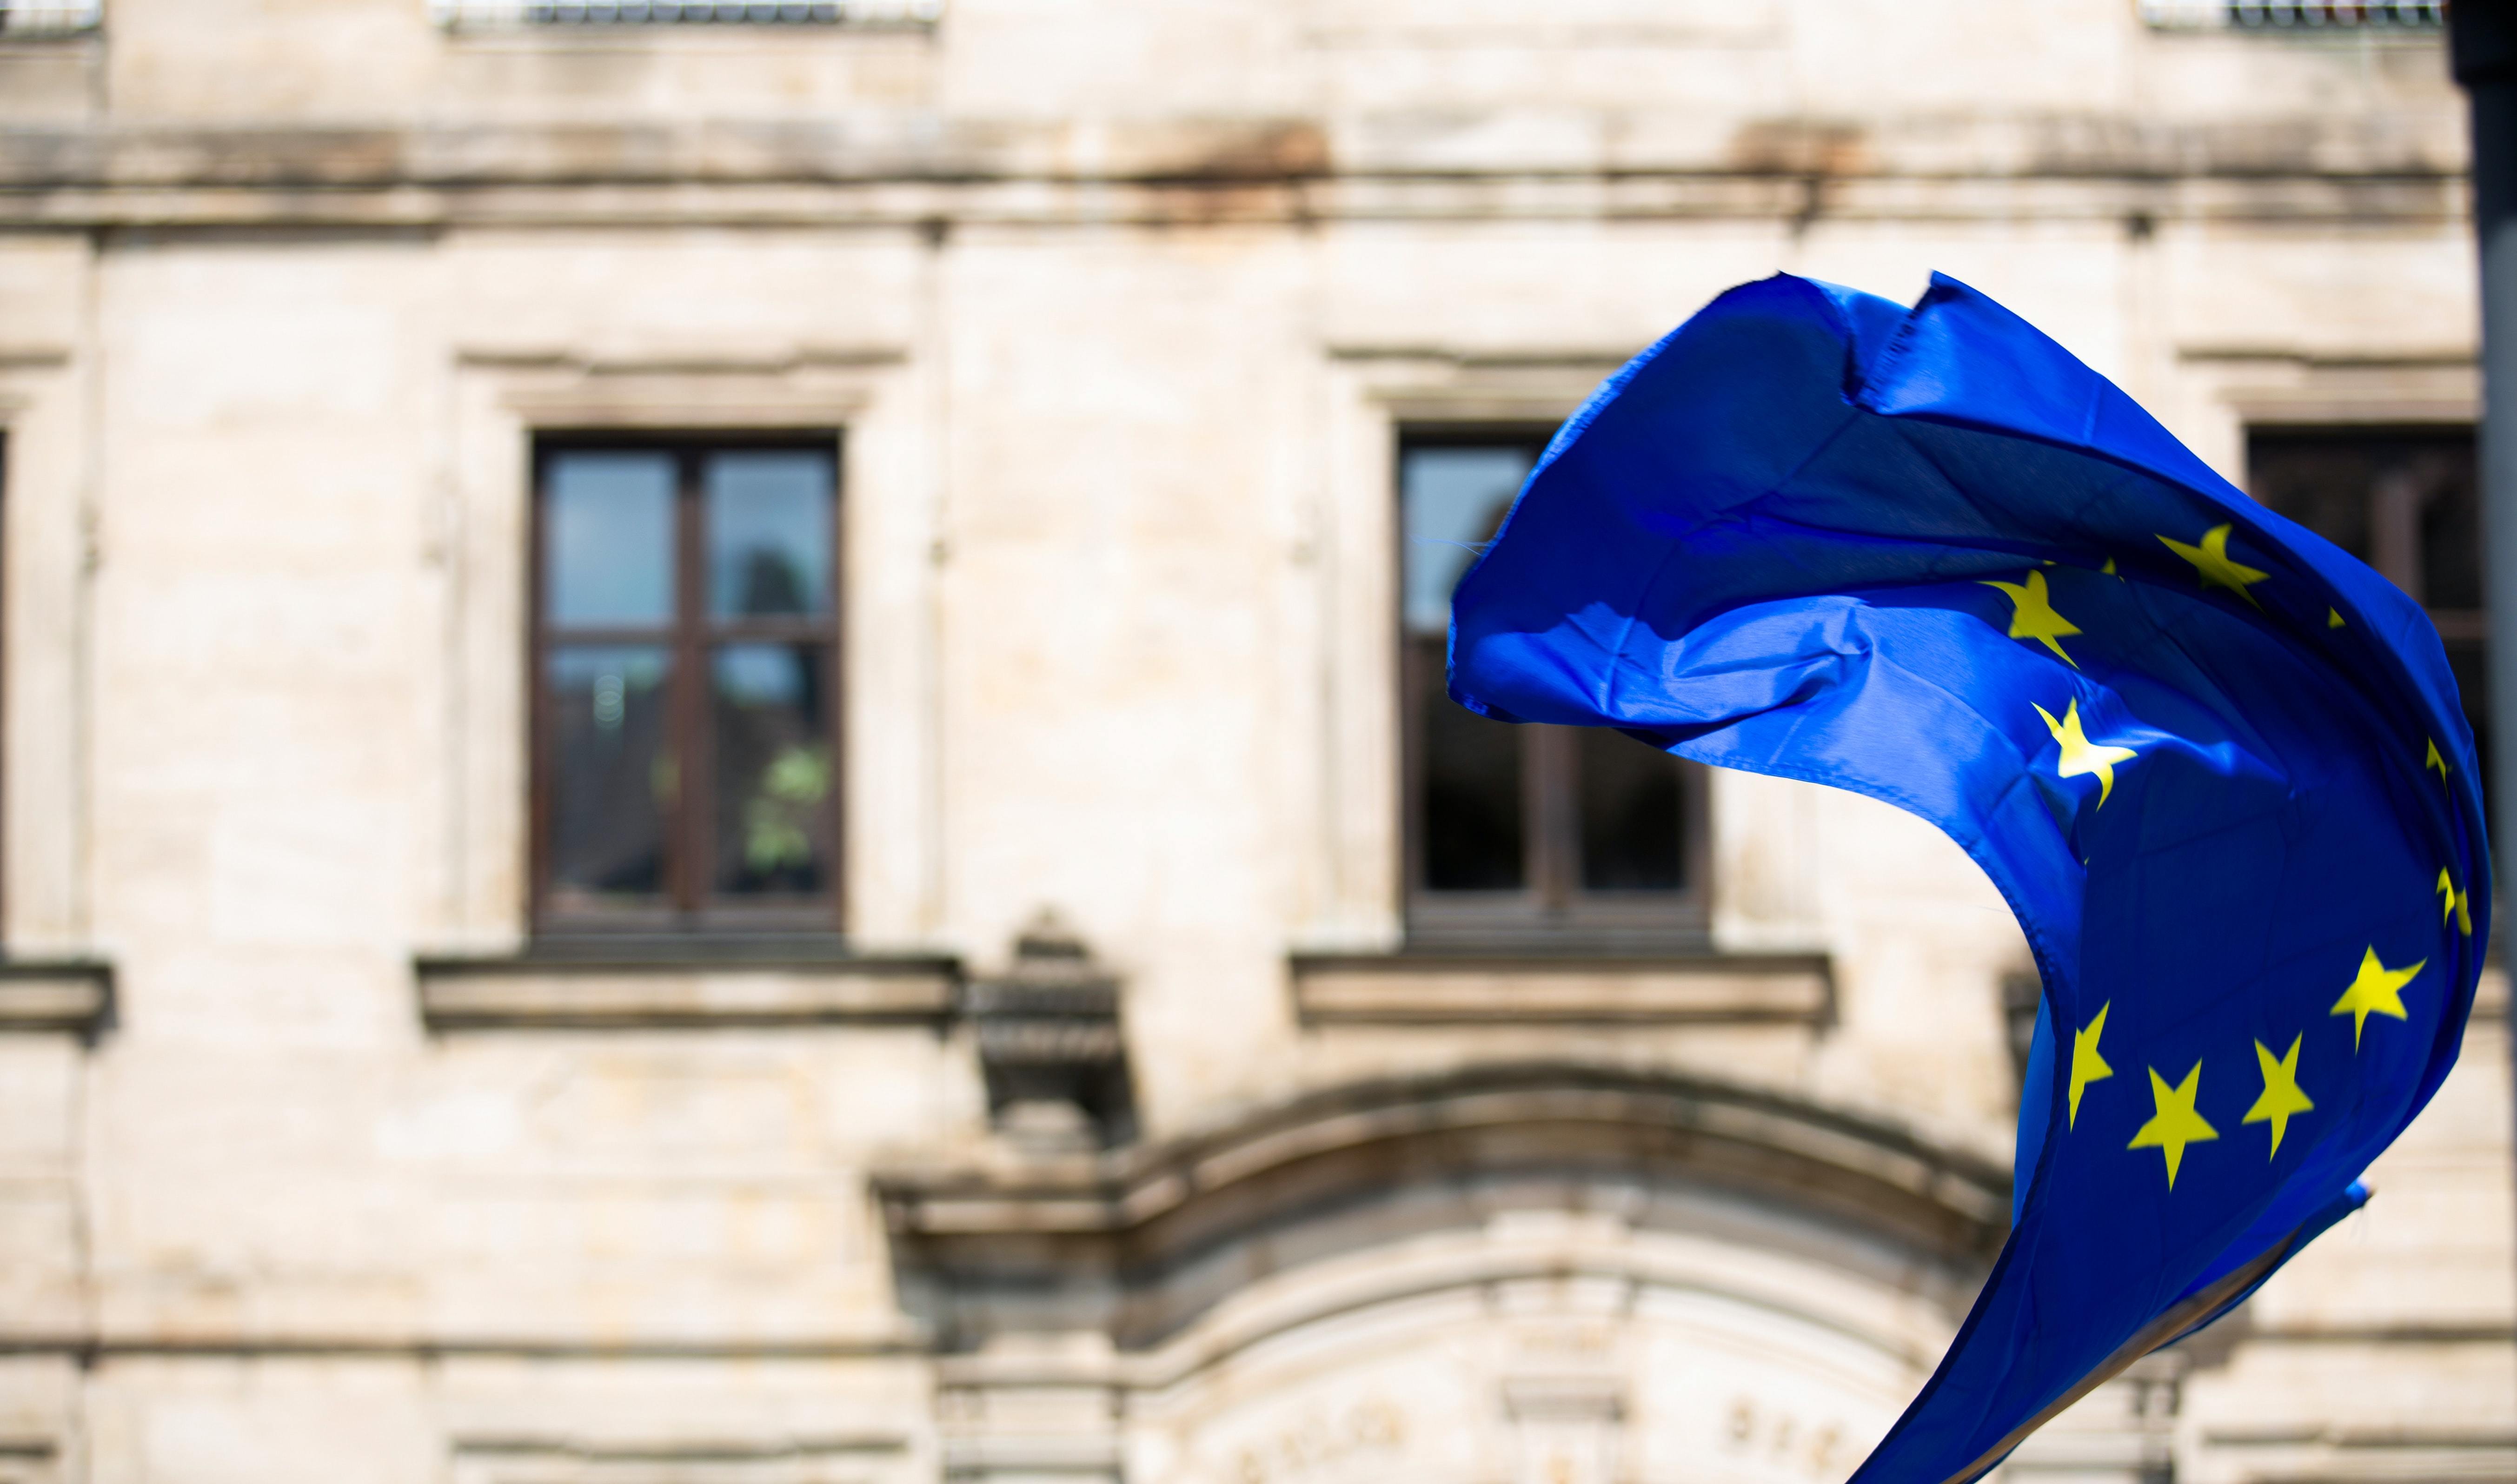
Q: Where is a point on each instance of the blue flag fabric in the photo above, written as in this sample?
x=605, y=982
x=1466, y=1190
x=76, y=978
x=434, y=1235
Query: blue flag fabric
x=2215, y=765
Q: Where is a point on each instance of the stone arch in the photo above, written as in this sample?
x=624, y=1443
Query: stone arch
x=1559, y=1272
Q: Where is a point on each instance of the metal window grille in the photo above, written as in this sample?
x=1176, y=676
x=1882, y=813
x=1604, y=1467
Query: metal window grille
x=485, y=15
x=50, y=18
x=2296, y=15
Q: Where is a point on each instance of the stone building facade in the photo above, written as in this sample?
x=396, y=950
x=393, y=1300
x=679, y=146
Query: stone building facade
x=714, y=770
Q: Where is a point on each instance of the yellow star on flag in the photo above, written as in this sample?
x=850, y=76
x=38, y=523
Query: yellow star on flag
x=2281, y=1097
x=2435, y=761
x=2087, y=1066
x=2032, y=616
x=2375, y=990
x=2175, y=1125
x=2453, y=903
x=2332, y=618
x=2213, y=564
x=2081, y=755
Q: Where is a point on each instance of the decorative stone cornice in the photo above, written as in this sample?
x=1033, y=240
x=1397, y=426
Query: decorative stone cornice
x=1049, y=1045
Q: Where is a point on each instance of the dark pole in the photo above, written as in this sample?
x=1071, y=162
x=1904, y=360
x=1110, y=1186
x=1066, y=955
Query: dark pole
x=2482, y=41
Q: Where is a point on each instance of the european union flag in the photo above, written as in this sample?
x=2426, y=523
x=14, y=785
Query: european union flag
x=2215, y=765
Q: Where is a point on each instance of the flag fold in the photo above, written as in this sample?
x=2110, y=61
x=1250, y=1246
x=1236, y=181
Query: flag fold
x=2215, y=765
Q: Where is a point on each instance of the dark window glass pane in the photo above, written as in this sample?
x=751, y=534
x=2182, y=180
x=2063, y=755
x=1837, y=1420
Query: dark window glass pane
x=2323, y=488
x=1471, y=796
x=611, y=771
x=1470, y=799
x=773, y=768
x=2451, y=489
x=769, y=534
x=1633, y=815
x=1451, y=500
x=2403, y=500
x=607, y=540
x=2468, y=659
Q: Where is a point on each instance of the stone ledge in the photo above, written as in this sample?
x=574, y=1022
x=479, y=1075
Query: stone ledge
x=1438, y=988
x=592, y=989
x=88, y=1347
x=59, y=994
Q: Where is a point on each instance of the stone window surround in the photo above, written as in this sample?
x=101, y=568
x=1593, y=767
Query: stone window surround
x=50, y=980
x=505, y=396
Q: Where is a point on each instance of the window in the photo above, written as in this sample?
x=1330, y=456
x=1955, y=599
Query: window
x=2296, y=15
x=684, y=673
x=470, y=14
x=1551, y=834
x=2408, y=501
x=50, y=18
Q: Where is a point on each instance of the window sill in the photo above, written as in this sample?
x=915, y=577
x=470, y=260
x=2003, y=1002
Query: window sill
x=74, y=996
x=1453, y=986
x=629, y=983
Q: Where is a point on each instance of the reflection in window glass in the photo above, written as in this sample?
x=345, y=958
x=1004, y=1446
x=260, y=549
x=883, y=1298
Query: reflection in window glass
x=769, y=534
x=770, y=733
x=608, y=541
x=1632, y=825
x=1470, y=798
x=1452, y=499
x=611, y=769
x=685, y=724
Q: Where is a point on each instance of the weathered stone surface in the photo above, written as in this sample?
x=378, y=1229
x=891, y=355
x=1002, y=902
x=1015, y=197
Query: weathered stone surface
x=1116, y=311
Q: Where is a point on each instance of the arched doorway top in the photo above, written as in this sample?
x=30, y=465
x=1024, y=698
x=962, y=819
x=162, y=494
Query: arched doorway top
x=1141, y=1243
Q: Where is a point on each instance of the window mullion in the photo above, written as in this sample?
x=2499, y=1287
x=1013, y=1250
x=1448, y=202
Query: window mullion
x=692, y=847
x=1554, y=854
x=541, y=737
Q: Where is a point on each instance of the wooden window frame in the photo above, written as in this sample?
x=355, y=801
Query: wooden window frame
x=1553, y=911
x=689, y=906
x=2393, y=534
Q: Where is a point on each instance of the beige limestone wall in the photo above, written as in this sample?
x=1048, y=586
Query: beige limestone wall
x=1117, y=308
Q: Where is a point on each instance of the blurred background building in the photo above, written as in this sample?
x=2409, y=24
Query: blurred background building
x=724, y=762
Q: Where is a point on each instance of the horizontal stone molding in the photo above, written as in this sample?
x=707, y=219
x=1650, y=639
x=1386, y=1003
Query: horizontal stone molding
x=91, y=1348
x=594, y=988
x=719, y=1451
x=1086, y=1459
x=1443, y=988
x=2405, y=143
x=920, y=173
x=74, y=996
x=916, y=207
